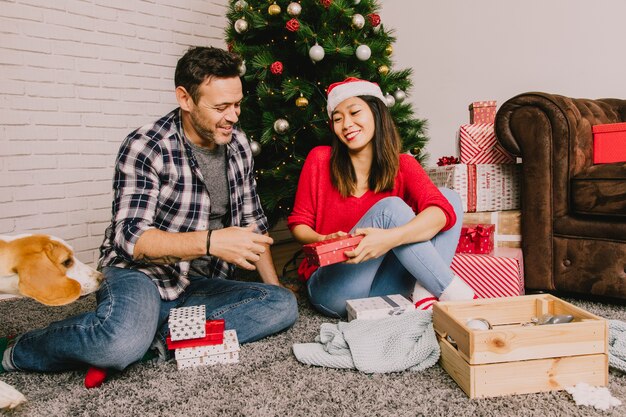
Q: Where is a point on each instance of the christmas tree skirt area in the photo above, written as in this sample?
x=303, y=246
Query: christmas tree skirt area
x=269, y=381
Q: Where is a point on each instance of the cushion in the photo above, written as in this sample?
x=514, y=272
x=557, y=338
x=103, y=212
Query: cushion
x=600, y=190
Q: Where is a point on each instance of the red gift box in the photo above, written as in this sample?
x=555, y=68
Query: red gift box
x=482, y=112
x=500, y=274
x=609, y=143
x=476, y=238
x=330, y=251
x=478, y=145
x=214, y=336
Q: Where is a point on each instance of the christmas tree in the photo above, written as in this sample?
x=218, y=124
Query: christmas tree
x=292, y=51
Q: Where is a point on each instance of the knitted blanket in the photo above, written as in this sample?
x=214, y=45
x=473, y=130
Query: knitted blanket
x=617, y=345
x=390, y=344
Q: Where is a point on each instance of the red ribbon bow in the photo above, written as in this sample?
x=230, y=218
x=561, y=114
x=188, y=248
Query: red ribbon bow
x=448, y=160
x=476, y=232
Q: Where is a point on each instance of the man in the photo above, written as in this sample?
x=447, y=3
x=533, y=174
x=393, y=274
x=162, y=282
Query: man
x=185, y=214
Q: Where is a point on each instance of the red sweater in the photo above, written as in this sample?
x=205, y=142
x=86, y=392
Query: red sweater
x=319, y=205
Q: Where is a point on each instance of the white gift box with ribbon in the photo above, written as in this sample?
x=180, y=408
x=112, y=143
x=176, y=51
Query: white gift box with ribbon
x=378, y=307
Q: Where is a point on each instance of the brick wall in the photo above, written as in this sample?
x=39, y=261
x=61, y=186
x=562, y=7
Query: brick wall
x=76, y=77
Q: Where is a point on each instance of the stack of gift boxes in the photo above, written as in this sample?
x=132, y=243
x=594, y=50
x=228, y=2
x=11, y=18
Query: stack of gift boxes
x=200, y=342
x=487, y=178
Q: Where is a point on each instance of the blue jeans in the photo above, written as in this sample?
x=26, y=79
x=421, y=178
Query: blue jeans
x=130, y=318
x=427, y=262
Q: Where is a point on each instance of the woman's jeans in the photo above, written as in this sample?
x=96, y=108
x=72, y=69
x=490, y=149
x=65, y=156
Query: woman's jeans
x=130, y=318
x=427, y=262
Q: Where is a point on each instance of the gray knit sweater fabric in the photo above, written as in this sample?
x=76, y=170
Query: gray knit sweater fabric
x=617, y=345
x=391, y=344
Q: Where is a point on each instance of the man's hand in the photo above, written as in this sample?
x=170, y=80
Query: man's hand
x=239, y=245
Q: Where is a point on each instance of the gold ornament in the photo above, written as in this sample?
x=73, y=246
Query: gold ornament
x=302, y=102
x=389, y=50
x=383, y=70
x=274, y=9
x=416, y=150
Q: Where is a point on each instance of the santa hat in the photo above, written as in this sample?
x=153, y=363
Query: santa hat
x=351, y=87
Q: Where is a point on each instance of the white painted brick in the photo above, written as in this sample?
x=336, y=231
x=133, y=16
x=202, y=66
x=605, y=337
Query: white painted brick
x=77, y=78
x=116, y=4
x=65, y=205
x=103, y=120
x=49, y=90
x=85, y=161
x=54, y=119
x=98, y=228
x=14, y=117
x=74, y=49
x=79, y=133
x=22, y=12
x=36, y=104
x=21, y=43
x=90, y=10
x=154, y=34
x=67, y=232
x=6, y=194
x=82, y=106
x=11, y=26
x=47, y=61
x=93, y=188
x=44, y=30
x=30, y=162
x=39, y=192
x=28, y=133
x=41, y=221
x=17, y=179
x=14, y=210
x=86, y=244
x=62, y=18
x=7, y=226
x=100, y=202
x=94, y=93
x=11, y=88
x=16, y=148
x=98, y=66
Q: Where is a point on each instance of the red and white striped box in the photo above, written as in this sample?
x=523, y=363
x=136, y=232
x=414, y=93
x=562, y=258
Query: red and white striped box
x=486, y=187
x=500, y=274
x=478, y=145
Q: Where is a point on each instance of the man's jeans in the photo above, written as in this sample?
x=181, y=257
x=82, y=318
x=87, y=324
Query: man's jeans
x=131, y=317
x=428, y=262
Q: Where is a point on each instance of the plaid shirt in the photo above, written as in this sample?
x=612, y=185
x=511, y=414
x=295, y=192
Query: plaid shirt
x=157, y=184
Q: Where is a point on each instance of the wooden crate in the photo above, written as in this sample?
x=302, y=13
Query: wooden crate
x=514, y=359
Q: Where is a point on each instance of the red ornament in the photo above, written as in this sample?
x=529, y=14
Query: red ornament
x=293, y=25
x=374, y=19
x=230, y=46
x=326, y=3
x=448, y=160
x=276, y=68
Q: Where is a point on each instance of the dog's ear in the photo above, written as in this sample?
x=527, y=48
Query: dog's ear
x=42, y=279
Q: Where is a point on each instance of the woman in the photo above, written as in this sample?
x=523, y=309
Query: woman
x=363, y=185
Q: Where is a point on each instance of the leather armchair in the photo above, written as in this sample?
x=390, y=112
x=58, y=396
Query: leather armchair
x=573, y=212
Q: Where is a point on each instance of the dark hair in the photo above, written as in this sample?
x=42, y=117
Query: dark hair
x=201, y=62
x=386, y=154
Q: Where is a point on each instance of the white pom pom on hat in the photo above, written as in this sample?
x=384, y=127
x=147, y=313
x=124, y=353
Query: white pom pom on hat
x=351, y=87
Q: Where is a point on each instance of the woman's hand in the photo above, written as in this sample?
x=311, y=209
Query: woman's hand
x=377, y=242
x=333, y=235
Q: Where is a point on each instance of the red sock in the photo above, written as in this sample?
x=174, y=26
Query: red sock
x=95, y=377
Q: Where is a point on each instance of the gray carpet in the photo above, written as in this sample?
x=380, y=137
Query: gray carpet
x=269, y=381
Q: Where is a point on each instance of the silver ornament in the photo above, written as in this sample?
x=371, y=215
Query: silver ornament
x=241, y=25
x=242, y=69
x=390, y=100
x=358, y=21
x=316, y=53
x=281, y=126
x=255, y=147
x=376, y=29
x=399, y=95
x=240, y=5
x=363, y=52
x=294, y=9
x=357, y=1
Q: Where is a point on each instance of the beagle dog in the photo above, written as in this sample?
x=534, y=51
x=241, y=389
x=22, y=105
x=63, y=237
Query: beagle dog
x=45, y=269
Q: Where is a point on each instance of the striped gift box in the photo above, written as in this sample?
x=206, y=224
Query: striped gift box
x=500, y=274
x=485, y=187
x=479, y=145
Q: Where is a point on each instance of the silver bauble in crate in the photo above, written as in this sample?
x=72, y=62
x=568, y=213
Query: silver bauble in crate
x=358, y=21
x=316, y=53
x=242, y=69
x=390, y=100
x=399, y=95
x=255, y=147
x=281, y=126
x=363, y=52
x=294, y=9
x=241, y=25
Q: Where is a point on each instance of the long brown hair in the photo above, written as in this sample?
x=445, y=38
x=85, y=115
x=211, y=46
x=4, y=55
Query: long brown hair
x=385, y=158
